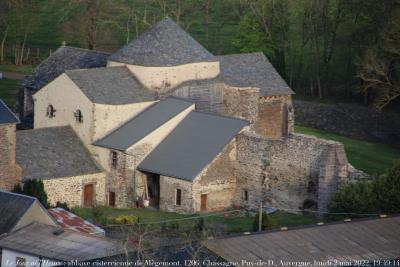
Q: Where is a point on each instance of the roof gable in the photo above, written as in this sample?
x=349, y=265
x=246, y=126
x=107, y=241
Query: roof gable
x=12, y=209
x=6, y=115
x=144, y=123
x=64, y=58
x=192, y=145
x=165, y=44
x=253, y=70
x=110, y=85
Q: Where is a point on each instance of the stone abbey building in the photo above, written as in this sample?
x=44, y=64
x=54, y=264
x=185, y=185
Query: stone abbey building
x=164, y=122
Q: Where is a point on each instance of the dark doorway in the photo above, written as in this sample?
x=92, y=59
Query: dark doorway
x=88, y=193
x=111, y=199
x=203, y=206
x=153, y=189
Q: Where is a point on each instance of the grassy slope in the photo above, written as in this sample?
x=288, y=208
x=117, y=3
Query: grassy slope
x=373, y=158
x=8, y=89
x=26, y=69
x=234, y=222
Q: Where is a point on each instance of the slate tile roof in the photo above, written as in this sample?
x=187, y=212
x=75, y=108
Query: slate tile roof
x=192, y=145
x=111, y=85
x=64, y=58
x=144, y=123
x=370, y=239
x=6, y=115
x=12, y=208
x=54, y=152
x=165, y=44
x=49, y=242
x=70, y=221
x=253, y=70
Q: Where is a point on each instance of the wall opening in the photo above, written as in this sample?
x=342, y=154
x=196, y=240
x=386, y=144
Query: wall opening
x=178, y=198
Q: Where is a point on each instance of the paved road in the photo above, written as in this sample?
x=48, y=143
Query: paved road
x=13, y=75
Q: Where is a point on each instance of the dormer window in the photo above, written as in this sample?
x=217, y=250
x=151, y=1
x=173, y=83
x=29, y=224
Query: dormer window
x=50, y=111
x=78, y=116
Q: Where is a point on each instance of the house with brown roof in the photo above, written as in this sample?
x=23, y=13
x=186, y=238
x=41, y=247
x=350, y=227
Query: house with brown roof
x=165, y=123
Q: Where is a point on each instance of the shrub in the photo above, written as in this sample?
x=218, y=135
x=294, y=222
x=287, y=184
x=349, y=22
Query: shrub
x=381, y=195
x=98, y=215
x=126, y=219
x=267, y=222
x=200, y=224
x=33, y=188
x=63, y=205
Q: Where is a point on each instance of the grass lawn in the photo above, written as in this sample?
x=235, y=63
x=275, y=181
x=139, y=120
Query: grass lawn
x=233, y=221
x=19, y=69
x=372, y=158
x=8, y=89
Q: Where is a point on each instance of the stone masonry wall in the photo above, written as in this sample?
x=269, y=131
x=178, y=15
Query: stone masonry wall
x=10, y=171
x=349, y=120
x=70, y=189
x=290, y=173
x=168, y=187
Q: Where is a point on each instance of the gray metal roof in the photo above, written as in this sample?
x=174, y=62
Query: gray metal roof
x=54, y=152
x=166, y=44
x=44, y=241
x=192, y=145
x=6, y=115
x=253, y=70
x=372, y=239
x=111, y=85
x=64, y=58
x=12, y=208
x=144, y=123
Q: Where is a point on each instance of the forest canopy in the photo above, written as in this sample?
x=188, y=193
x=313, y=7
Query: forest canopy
x=329, y=49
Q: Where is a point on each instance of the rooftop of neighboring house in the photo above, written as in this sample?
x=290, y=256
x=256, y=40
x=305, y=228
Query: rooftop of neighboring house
x=203, y=134
x=12, y=208
x=111, y=85
x=64, y=58
x=368, y=239
x=165, y=44
x=6, y=115
x=54, y=152
x=70, y=221
x=58, y=244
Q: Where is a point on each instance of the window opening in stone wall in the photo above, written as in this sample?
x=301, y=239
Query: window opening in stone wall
x=245, y=195
x=78, y=116
x=114, y=159
x=178, y=198
x=50, y=111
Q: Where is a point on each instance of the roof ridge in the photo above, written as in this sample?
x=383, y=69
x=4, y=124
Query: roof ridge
x=17, y=194
x=85, y=49
x=245, y=53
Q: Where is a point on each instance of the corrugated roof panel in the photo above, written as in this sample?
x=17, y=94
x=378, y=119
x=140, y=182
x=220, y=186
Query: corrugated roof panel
x=192, y=145
x=144, y=123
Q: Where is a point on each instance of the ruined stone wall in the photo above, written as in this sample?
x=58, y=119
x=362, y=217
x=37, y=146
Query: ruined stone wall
x=168, y=187
x=288, y=173
x=241, y=103
x=70, y=189
x=10, y=171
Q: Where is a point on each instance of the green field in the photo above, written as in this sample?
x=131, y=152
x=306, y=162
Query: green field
x=25, y=69
x=234, y=221
x=8, y=90
x=372, y=158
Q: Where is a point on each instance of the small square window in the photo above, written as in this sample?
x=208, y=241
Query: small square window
x=78, y=116
x=50, y=111
x=20, y=262
x=178, y=198
x=114, y=159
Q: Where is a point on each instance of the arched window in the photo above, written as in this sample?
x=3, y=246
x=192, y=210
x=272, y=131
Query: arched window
x=78, y=116
x=50, y=111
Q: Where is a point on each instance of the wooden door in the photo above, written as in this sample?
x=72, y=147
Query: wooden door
x=88, y=193
x=111, y=199
x=203, y=206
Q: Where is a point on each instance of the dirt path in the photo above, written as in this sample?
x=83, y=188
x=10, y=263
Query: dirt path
x=13, y=75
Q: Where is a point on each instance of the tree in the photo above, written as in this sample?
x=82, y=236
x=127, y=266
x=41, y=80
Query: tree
x=381, y=195
x=267, y=222
x=34, y=188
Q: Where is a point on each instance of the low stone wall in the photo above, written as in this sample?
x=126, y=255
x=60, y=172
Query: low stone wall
x=10, y=171
x=350, y=120
x=288, y=173
x=70, y=189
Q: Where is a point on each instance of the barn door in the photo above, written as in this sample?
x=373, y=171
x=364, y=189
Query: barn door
x=203, y=206
x=88, y=194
